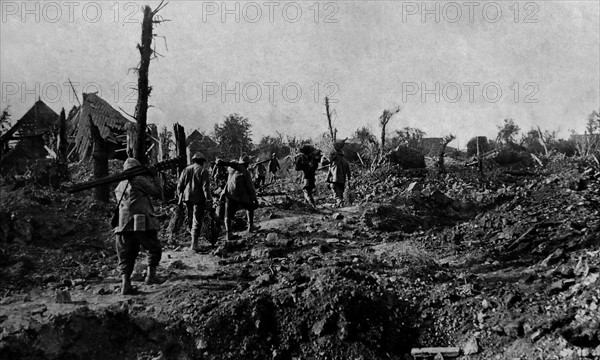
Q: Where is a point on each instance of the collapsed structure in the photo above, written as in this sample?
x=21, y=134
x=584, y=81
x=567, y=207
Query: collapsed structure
x=33, y=134
x=113, y=127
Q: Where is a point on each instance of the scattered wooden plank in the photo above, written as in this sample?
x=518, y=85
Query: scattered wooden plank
x=518, y=241
x=537, y=159
x=446, y=352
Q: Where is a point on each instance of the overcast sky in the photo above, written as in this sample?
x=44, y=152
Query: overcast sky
x=453, y=67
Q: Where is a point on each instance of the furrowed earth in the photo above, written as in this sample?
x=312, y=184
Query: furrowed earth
x=504, y=266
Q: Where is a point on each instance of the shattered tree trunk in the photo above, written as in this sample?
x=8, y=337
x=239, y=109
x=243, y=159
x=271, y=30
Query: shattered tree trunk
x=141, y=112
x=154, y=150
x=131, y=139
x=62, y=138
x=382, y=143
x=180, y=146
x=479, y=160
x=165, y=141
x=179, y=213
x=542, y=141
x=441, y=165
x=100, y=157
x=328, y=112
x=384, y=119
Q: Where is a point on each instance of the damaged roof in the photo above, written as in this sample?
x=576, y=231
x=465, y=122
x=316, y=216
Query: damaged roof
x=110, y=122
x=38, y=120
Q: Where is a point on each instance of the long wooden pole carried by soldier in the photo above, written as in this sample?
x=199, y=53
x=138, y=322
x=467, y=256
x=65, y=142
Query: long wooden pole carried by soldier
x=127, y=174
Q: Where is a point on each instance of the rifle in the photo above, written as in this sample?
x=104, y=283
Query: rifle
x=127, y=174
x=253, y=166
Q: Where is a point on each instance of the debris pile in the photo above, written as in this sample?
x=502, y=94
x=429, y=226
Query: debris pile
x=497, y=267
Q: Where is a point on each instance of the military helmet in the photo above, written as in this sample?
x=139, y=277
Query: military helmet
x=198, y=156
x=131, y=163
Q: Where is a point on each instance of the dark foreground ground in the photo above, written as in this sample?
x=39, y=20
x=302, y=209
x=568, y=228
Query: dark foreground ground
x=505, y=267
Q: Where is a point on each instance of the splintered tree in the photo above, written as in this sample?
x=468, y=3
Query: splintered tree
x=332, y=131
x=384, y=119
x=178, y=216
x=62, y=138
x=180, y=146
x=141, y=108
x=100, y=156
x=447, y=140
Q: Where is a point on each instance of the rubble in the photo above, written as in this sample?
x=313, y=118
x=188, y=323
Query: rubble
x=486, y=263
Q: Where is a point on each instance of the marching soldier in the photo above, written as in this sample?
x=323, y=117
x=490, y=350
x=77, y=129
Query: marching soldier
x=308, y=162
x=274, y=167
x=138, y=225
x=194, y=190
x=239, y=193
x=339, y=172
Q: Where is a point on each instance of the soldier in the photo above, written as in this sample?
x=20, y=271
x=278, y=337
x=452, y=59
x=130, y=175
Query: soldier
x=308, y=162
x=194, y=190
x=339, y=171
x=239, y=194
x=274, y=167
x=138, y=225
x=261, y=174
x=219, y=174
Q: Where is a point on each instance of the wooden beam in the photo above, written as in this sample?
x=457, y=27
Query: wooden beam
x=446, y=352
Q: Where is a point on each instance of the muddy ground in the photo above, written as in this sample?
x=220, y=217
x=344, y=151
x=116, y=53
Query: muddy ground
x=504, y=266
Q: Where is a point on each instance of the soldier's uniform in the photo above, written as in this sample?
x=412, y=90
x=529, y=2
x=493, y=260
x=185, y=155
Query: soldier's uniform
x=239, y=194
x=194, y=190
x=136, y=207
x=339, y=171
x=261, y=174
x=274, y=167
x=308, y=162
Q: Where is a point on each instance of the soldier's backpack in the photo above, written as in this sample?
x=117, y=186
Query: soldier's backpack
x=301, y=162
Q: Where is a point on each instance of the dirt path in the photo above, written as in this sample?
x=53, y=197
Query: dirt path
x=178, y=267
x=324, y=282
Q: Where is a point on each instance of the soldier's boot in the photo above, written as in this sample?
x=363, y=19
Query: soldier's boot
x=126, y=287
x=194, y=245
x=151, y=276
x=306, y=196
x=310, y=198
x=251, y=226
x=230, y=234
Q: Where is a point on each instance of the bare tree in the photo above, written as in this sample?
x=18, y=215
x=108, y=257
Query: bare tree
x=62, y=138
x=384, y=119
x=332, y=131
x=180, y=146
x=441, y=166
x=100, y=159
x=146, y=51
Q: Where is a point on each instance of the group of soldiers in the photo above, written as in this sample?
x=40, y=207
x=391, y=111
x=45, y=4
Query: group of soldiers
x=138, y=223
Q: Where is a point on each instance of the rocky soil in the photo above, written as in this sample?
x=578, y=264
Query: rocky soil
x=504, y=266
